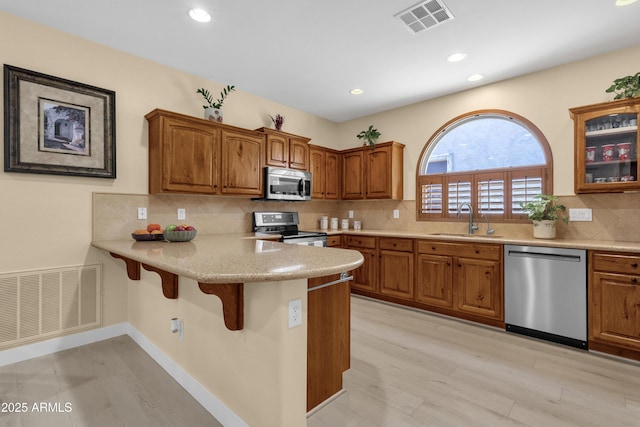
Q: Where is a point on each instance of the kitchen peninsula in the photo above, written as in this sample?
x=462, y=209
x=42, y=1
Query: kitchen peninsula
x=242, y=352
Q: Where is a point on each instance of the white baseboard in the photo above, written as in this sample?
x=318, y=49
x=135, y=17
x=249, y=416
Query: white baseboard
x=214, y=406
x=54, y=345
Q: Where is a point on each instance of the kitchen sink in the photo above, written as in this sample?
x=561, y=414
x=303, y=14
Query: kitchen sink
x=463, y=235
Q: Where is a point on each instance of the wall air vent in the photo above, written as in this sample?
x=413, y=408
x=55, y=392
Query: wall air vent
x=424, y=15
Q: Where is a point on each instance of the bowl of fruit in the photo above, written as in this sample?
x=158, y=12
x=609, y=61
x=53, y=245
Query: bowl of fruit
x=152, y=232
x=179, y=233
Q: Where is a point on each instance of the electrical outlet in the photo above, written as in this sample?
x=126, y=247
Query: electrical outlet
x=182, y=214
x=580, y=215
x=142, y=213
x=396, y=213
x=350, y=214
x=295, y=313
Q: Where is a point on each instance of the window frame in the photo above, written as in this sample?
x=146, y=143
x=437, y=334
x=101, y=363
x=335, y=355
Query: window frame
x=544, y=171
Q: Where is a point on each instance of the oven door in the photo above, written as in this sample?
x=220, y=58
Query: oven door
x=287, y=184
x=305, y=241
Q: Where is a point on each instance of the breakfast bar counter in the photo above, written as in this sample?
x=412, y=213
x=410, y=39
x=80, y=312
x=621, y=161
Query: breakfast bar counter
x=231, y=258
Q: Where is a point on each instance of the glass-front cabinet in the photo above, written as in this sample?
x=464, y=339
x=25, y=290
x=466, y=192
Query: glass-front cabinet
x=606, y=146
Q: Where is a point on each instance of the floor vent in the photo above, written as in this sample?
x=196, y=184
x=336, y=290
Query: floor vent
x=424, y=15
x=40, y=304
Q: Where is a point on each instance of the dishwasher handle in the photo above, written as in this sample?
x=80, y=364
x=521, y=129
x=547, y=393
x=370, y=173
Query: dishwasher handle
x=540, y=255
x=343, y=278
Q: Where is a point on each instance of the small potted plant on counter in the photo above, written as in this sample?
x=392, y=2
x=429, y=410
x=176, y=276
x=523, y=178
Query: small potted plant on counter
x=213, y=109
x=370, y=136
x=544, y=211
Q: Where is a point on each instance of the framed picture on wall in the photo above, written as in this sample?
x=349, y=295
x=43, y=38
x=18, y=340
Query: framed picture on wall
x=57, y=126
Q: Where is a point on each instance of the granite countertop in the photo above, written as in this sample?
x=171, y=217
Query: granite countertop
x=601, y=245
x=235, y=258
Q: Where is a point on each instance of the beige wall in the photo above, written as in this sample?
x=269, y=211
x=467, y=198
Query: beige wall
x=544, y=98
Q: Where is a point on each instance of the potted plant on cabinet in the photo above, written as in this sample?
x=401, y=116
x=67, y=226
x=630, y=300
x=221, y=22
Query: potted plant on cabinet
x=370, y=136
x=544, y=211
x=213, y=109
x=626, y=87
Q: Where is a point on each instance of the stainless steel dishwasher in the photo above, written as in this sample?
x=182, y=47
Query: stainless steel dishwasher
x=545, y=293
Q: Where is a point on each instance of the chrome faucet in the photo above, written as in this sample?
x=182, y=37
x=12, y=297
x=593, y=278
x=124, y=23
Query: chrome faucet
x=490, y=230
x=471, y=226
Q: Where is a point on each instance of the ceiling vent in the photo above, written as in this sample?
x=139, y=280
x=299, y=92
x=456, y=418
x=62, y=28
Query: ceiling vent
x=424, y=15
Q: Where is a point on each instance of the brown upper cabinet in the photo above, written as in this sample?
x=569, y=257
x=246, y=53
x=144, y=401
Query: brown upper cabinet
x=192, y=155
x=373, y=173
x=606, y=146
x=286, y=150
x=325, y=171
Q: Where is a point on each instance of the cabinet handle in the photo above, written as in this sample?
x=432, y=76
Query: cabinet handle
x=477, y=251
x=634, y=265
x=634, y=280
x=459, y=265
x=433, y=248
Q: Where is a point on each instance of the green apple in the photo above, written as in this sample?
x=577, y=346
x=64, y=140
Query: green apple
x=170, y=227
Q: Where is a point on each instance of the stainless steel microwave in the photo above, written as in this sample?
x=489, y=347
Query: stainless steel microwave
x=286, y=184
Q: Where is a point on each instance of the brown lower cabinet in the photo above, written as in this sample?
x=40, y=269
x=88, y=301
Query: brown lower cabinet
x=614, y=303
x=457, y=279
x=328, y=336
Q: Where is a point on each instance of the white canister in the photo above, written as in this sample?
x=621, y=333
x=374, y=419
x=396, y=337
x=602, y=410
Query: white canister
x=357, y=225
x=334, y=223
x=344, y=224
x=324, y=222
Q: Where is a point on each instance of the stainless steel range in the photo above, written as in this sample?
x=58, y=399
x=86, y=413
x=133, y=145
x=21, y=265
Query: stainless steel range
x=286, y=225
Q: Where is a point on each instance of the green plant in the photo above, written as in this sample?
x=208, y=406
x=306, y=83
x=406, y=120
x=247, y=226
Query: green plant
x=370, y=135
x=544, y=207
x=626, y=87
x=218, y=102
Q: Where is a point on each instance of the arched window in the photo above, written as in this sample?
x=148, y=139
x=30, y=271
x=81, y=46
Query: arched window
x=491, y=159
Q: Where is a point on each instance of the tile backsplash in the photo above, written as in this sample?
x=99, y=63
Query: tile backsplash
x=615, y=216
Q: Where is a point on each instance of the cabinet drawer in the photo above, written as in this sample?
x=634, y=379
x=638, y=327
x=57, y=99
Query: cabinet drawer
x=394, y=244
x=333, y=241
x=462, y=250
x=361, y=241
x=617, y=263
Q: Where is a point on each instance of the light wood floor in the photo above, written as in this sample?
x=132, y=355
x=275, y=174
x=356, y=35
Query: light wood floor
x=414, y=369
x=108, y=383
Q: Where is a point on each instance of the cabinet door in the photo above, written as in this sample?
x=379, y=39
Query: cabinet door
x=606, y=145
x=298, y=154
x=328, y=341
x=396, y=274
x=614, y=310
x=317, y=167
x=434, y=280
x=479, y=289
x=277, y=151
x=190, y=156
x=241, y=164
x=364, y=277
x=378, y=173
x=352, y=175
x=332, y=175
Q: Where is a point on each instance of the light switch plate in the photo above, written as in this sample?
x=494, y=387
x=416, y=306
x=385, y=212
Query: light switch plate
x=396, y=213
x=142, y=213
x=580, y=214
x=182, y=214
x=350, y=214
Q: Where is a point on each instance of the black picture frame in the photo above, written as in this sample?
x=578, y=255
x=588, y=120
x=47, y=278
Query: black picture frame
x=57, y=126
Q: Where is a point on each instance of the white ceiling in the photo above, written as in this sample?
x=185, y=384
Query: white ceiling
x=308, y=54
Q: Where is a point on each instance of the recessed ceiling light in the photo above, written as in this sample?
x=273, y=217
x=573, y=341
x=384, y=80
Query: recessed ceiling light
x=356, y=91
x=456, y=57
x=475, y=77
x=199, y=15
x=624, y=2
